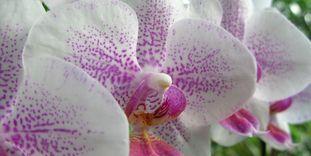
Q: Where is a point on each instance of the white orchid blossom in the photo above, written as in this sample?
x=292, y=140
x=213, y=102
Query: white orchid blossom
x=86, y=60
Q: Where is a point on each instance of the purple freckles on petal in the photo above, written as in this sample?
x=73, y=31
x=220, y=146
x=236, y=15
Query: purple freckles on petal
x=109, y=57
x=270, y=54
x=12, y=38
x=155, y=18
x=242, y=123
x=281, y=105
x=234, y=16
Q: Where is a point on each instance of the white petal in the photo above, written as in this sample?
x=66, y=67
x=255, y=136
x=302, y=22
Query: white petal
x=98, y=36
x=16, y=19
x=259, y=5
x=283, y=53
x=223, y=137
x=214, y=69
x=60, y=110
x=261, y=110
x=299, y=111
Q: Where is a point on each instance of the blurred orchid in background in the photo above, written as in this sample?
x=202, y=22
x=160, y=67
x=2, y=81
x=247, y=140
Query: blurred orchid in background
x=172, y=81
x=283, y=70
x=293, y=110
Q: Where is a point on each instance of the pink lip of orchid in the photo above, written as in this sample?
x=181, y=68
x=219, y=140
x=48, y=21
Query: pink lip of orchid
x=278, y=67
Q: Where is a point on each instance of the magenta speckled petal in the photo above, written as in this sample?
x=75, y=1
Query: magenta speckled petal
x=214, y=70
x=154, y=17
x=16, y=18
x=98, y=36
x=283, y=53
x=235, y=14
x=299, y=111
x=72, y=114
x=242, y=123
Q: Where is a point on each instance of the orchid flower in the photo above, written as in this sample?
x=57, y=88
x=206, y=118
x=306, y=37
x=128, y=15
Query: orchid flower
x=283, y=66
x=170, y=79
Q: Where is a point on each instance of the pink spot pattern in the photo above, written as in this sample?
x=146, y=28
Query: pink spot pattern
x=155, y=17
x=270, y=55
x=108, y=57
x=234, y=16
x=198, y=70
x=12, y=38
x=44, y=124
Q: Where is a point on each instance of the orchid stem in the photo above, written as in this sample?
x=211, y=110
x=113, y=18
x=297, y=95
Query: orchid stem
x=273, y=152
x=263, y=148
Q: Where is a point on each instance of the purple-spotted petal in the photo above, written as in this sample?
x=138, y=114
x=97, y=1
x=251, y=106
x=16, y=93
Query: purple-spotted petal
x=224, y=137
x=210, y=10
x=16, y=18
x=154, y=17
x=213, y=69
x=10, y=149
x=299, y=111
x=98, y=36
x=61, y=110
x=283, y=53
x=54, y=3
x=235, y=14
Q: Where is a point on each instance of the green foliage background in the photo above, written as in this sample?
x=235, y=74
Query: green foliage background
x=298, y=12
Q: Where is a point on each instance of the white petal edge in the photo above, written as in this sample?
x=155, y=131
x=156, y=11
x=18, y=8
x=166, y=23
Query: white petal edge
x=283, y=53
